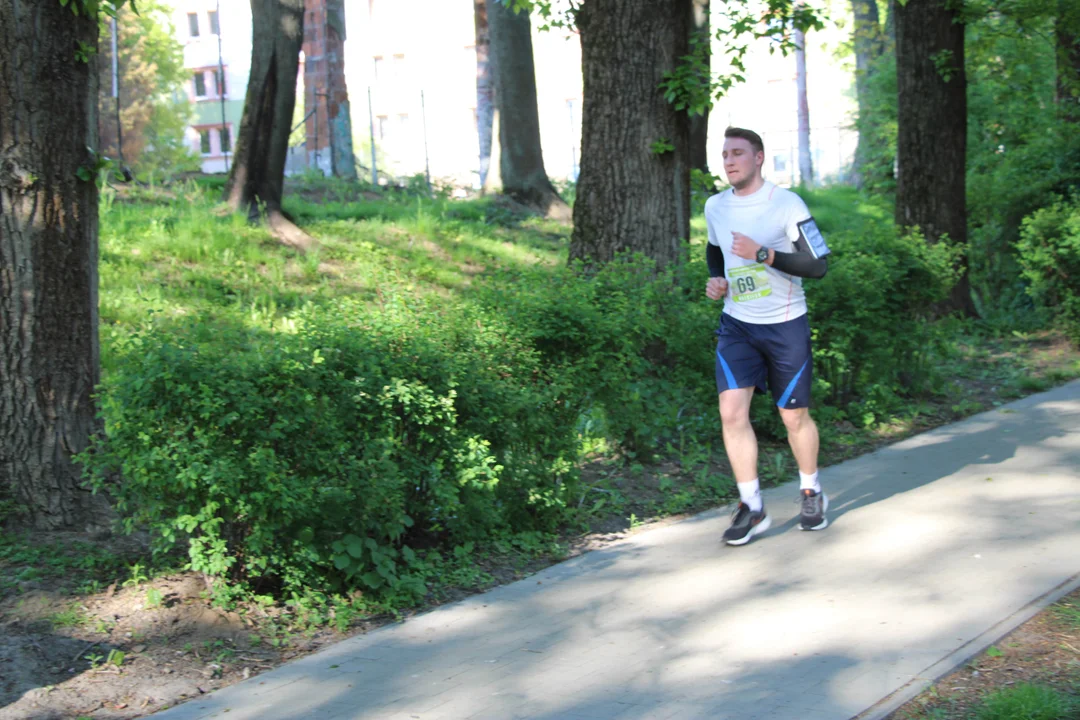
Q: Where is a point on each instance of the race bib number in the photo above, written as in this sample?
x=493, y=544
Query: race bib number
x=749, y=282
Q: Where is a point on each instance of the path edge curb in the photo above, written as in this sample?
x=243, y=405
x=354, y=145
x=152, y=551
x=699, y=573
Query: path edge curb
x=958, y=657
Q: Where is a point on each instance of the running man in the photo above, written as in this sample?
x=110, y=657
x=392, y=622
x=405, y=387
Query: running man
x=762, y=243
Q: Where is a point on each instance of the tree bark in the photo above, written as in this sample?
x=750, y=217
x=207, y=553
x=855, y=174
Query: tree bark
x=48, y=261
x=699, y=124
x=485, y=89
x=521, y=158
x=634, y=190
x=867, y=40
x=931, y=140
x=806, y=164
x=257, y=176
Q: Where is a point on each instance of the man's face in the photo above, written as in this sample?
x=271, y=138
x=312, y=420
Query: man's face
x=741, y=163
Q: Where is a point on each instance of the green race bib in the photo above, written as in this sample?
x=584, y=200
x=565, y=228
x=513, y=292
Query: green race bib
x=749, y=282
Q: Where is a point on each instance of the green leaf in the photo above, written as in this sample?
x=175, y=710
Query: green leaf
x=993, y=652
x=354, y=546
x=372, y=579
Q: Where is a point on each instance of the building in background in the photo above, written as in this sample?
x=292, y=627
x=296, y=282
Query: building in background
x=416, y=60
x=218, y=97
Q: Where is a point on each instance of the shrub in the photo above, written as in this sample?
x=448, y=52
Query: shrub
x=872, y=314
x=1049, y=250
x=316, y=454
x=636, y=344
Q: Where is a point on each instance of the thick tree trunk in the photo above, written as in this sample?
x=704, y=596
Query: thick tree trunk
x=932, y=134
x=699, y=124
x=485, y=88
x=48, y=260
x=634, y=190
x=866, y=37
x=258, y=171
x=1067, y=36
x=521, y=159
x=806, y=164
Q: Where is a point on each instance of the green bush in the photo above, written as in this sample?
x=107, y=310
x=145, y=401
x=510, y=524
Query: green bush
x=637, y=346
x=872, y=316
x=1049, y=251
x=315, y=454
x=324, y=446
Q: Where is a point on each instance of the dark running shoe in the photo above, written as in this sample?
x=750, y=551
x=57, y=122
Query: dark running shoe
x=745, y=524
x=814, y=505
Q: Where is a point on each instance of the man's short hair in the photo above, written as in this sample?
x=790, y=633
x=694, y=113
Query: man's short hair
x=749, y=135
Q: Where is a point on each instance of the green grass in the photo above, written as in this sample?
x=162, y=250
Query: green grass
x=1027, y=702
x=71, y=566
x=1067, y=612
x=187, y=259
x=70, y=617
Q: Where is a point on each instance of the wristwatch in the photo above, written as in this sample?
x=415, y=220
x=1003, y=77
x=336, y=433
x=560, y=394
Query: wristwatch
x=762, y=254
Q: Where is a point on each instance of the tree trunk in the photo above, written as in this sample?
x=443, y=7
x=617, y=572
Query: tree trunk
x=634, y=190
x=521, y=158
x=932, y=128
x=48, y=260
x=866, y=37
x=1067, y=38
x=258, y=171
x=699, y=124
x=325, y=87
x=485, y=89
x=340, y=111
x=806, y=165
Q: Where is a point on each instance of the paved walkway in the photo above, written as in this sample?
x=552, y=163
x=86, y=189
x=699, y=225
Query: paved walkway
x=939, y=545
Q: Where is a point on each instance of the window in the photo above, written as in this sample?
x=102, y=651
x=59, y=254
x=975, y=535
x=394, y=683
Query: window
x=219, y=81
x=226, y=140
x=383, y=123
x=193, y=24
x=204, y=142
x=212, y=16
x=779, y=163
x=200, y=85
x=378, y=67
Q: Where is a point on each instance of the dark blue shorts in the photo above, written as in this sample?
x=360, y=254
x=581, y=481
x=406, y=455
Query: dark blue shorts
x=749, y=355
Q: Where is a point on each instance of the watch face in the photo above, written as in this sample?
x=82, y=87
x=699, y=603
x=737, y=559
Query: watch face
x=762, y=254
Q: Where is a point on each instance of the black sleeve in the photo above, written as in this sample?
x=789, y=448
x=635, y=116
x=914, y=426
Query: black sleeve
x=801, y=263
x=715, y=257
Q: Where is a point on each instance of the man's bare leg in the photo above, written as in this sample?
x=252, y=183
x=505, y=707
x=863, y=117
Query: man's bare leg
x=803, y=437
x=740, y=442
x=750, y=518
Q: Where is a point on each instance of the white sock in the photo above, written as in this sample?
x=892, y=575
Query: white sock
x=750, y=493
x=809, y=482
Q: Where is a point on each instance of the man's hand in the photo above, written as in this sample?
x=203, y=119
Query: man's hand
x=744, y=247
x=716, y=289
